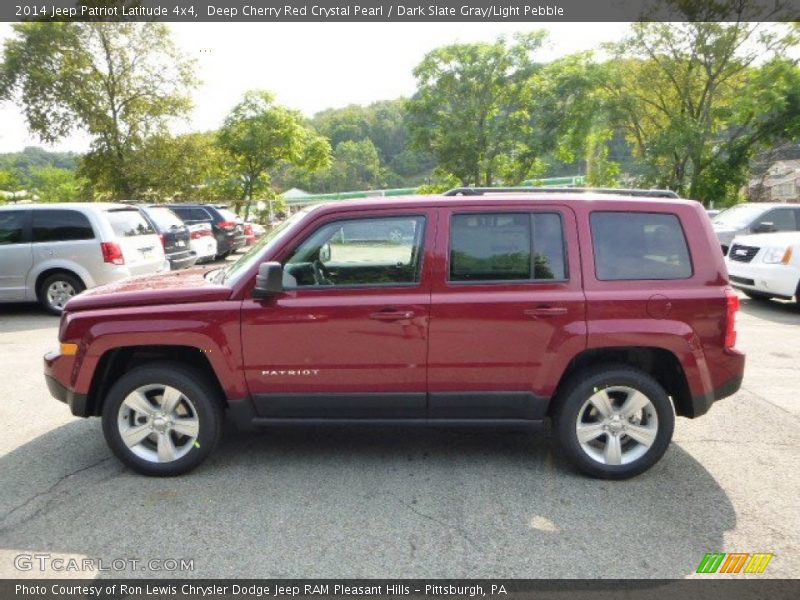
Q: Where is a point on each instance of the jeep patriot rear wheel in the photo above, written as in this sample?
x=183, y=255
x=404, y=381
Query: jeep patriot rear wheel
x=614, y=422
x=162, y=419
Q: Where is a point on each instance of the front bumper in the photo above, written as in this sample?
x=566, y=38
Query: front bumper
x=54, y=368
x=772, y=279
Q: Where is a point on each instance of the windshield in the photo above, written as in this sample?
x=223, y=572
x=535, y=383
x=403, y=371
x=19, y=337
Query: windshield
x=252, y=256
x=738, y=217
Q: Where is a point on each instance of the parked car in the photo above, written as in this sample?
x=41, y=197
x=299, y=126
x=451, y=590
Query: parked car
x=51, y=252
x=608, y=314
x=174, y=234
x=228, y=228
x=755, y=217
x=249, y=234
x=766, y=266
x=712, y=212
x=203, y=242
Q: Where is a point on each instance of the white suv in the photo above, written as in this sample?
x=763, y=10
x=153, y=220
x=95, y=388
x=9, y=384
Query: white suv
x=51, y=252
x=766, y=265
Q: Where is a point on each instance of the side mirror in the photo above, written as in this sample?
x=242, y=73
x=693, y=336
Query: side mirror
x=325, y=253
x=764, y=227
x=269, y=280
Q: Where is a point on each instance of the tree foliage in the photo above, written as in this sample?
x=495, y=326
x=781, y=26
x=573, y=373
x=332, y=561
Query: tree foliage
x=259, y=135
x=472, y=105
x=118, y=82
x=698, y=99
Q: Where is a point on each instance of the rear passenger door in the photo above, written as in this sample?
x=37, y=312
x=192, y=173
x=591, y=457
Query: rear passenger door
x=506, y=307
x=16, y=258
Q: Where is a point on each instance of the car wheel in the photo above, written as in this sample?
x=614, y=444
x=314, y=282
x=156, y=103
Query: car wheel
x=224, y=255
x=56, y=290
x=758, y=295
x=162, y=419
x=614, y=422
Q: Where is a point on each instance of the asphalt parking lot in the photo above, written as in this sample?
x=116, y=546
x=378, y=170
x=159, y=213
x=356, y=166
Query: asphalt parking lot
x=405, y=503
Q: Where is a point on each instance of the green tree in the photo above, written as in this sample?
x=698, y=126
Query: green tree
x=472, y=105
x=52, y=184
x=355, y=166
x=259, y=135
x=698, y=99
x=118, y=82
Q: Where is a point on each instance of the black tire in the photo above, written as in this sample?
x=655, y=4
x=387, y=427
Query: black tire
x=194, y=386
x=55, y=306
x=759, y=296
x=570, y=406
x=223, y=256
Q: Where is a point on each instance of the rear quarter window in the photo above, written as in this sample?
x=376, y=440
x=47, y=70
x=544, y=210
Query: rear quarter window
x=636, y=245
x=59, y=225
x=12, y=227
x=129, y=223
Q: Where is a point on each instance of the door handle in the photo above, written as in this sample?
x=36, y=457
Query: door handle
x=392, y=315
x=545, y=311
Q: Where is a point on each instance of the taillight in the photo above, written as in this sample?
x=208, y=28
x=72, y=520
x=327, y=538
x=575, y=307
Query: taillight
x=248, y=229
x=112, y=253
x=228, y=225
x=163, y=241
x=730, y=317
x=196, y=235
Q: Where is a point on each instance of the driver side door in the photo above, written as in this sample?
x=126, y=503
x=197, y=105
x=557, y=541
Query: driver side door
x=348, y=337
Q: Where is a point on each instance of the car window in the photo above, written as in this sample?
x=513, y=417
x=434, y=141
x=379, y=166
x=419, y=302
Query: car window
x=228, y=215
x=191, y=215
x=164, y=218
x=639, y=246
x=12, y=226
x=129, y=223
x=372, y=251
x=782, y=219
x=60, y=226
x=506, y=247
x=739, y=216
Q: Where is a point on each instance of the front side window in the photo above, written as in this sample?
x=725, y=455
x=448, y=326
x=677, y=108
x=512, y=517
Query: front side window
x=12, y=227
x=631, y=245
x=780, y=219
x=129, y=223
x=60, y=226
x=507, y=247
x=359, y=252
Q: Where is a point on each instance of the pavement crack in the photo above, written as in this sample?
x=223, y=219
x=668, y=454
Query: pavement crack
x=448, y=526
x=44, y=494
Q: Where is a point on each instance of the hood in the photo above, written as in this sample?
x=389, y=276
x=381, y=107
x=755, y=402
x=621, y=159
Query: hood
x=761, y=240
x=174, y=287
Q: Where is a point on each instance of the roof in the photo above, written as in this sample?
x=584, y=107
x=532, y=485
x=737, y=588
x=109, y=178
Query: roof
x=97, y=205
x=522, y=199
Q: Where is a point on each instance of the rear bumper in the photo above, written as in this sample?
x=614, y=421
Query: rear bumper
x=182, y=260
x=53, y=365
x=702, y=403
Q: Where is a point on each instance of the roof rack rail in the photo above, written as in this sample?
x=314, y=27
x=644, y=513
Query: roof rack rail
x=480, y=191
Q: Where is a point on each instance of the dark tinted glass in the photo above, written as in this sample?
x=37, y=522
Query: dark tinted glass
x=12, y=224
x=639, y=246
x=490, y=247
x=191, y=215
x=129, y=223
x=782, y=219
x=548, y=247
x=164, y=218
x=60, y=226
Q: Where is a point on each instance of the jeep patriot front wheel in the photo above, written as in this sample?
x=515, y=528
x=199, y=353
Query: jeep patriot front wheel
x=162, y=420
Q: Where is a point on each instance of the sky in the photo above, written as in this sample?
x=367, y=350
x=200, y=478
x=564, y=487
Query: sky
x=313, y=66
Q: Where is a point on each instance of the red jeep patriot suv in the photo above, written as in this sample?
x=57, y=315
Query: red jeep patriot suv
x=606, y=313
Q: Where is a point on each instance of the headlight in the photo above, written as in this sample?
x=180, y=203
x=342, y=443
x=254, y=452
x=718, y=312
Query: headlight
x=778, y=255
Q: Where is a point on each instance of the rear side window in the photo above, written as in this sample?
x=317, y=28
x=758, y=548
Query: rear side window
x=129, y=223
x=228, y=215
x=507, y=247
x=12, y=226
x=630, y=245
x=60, y=226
